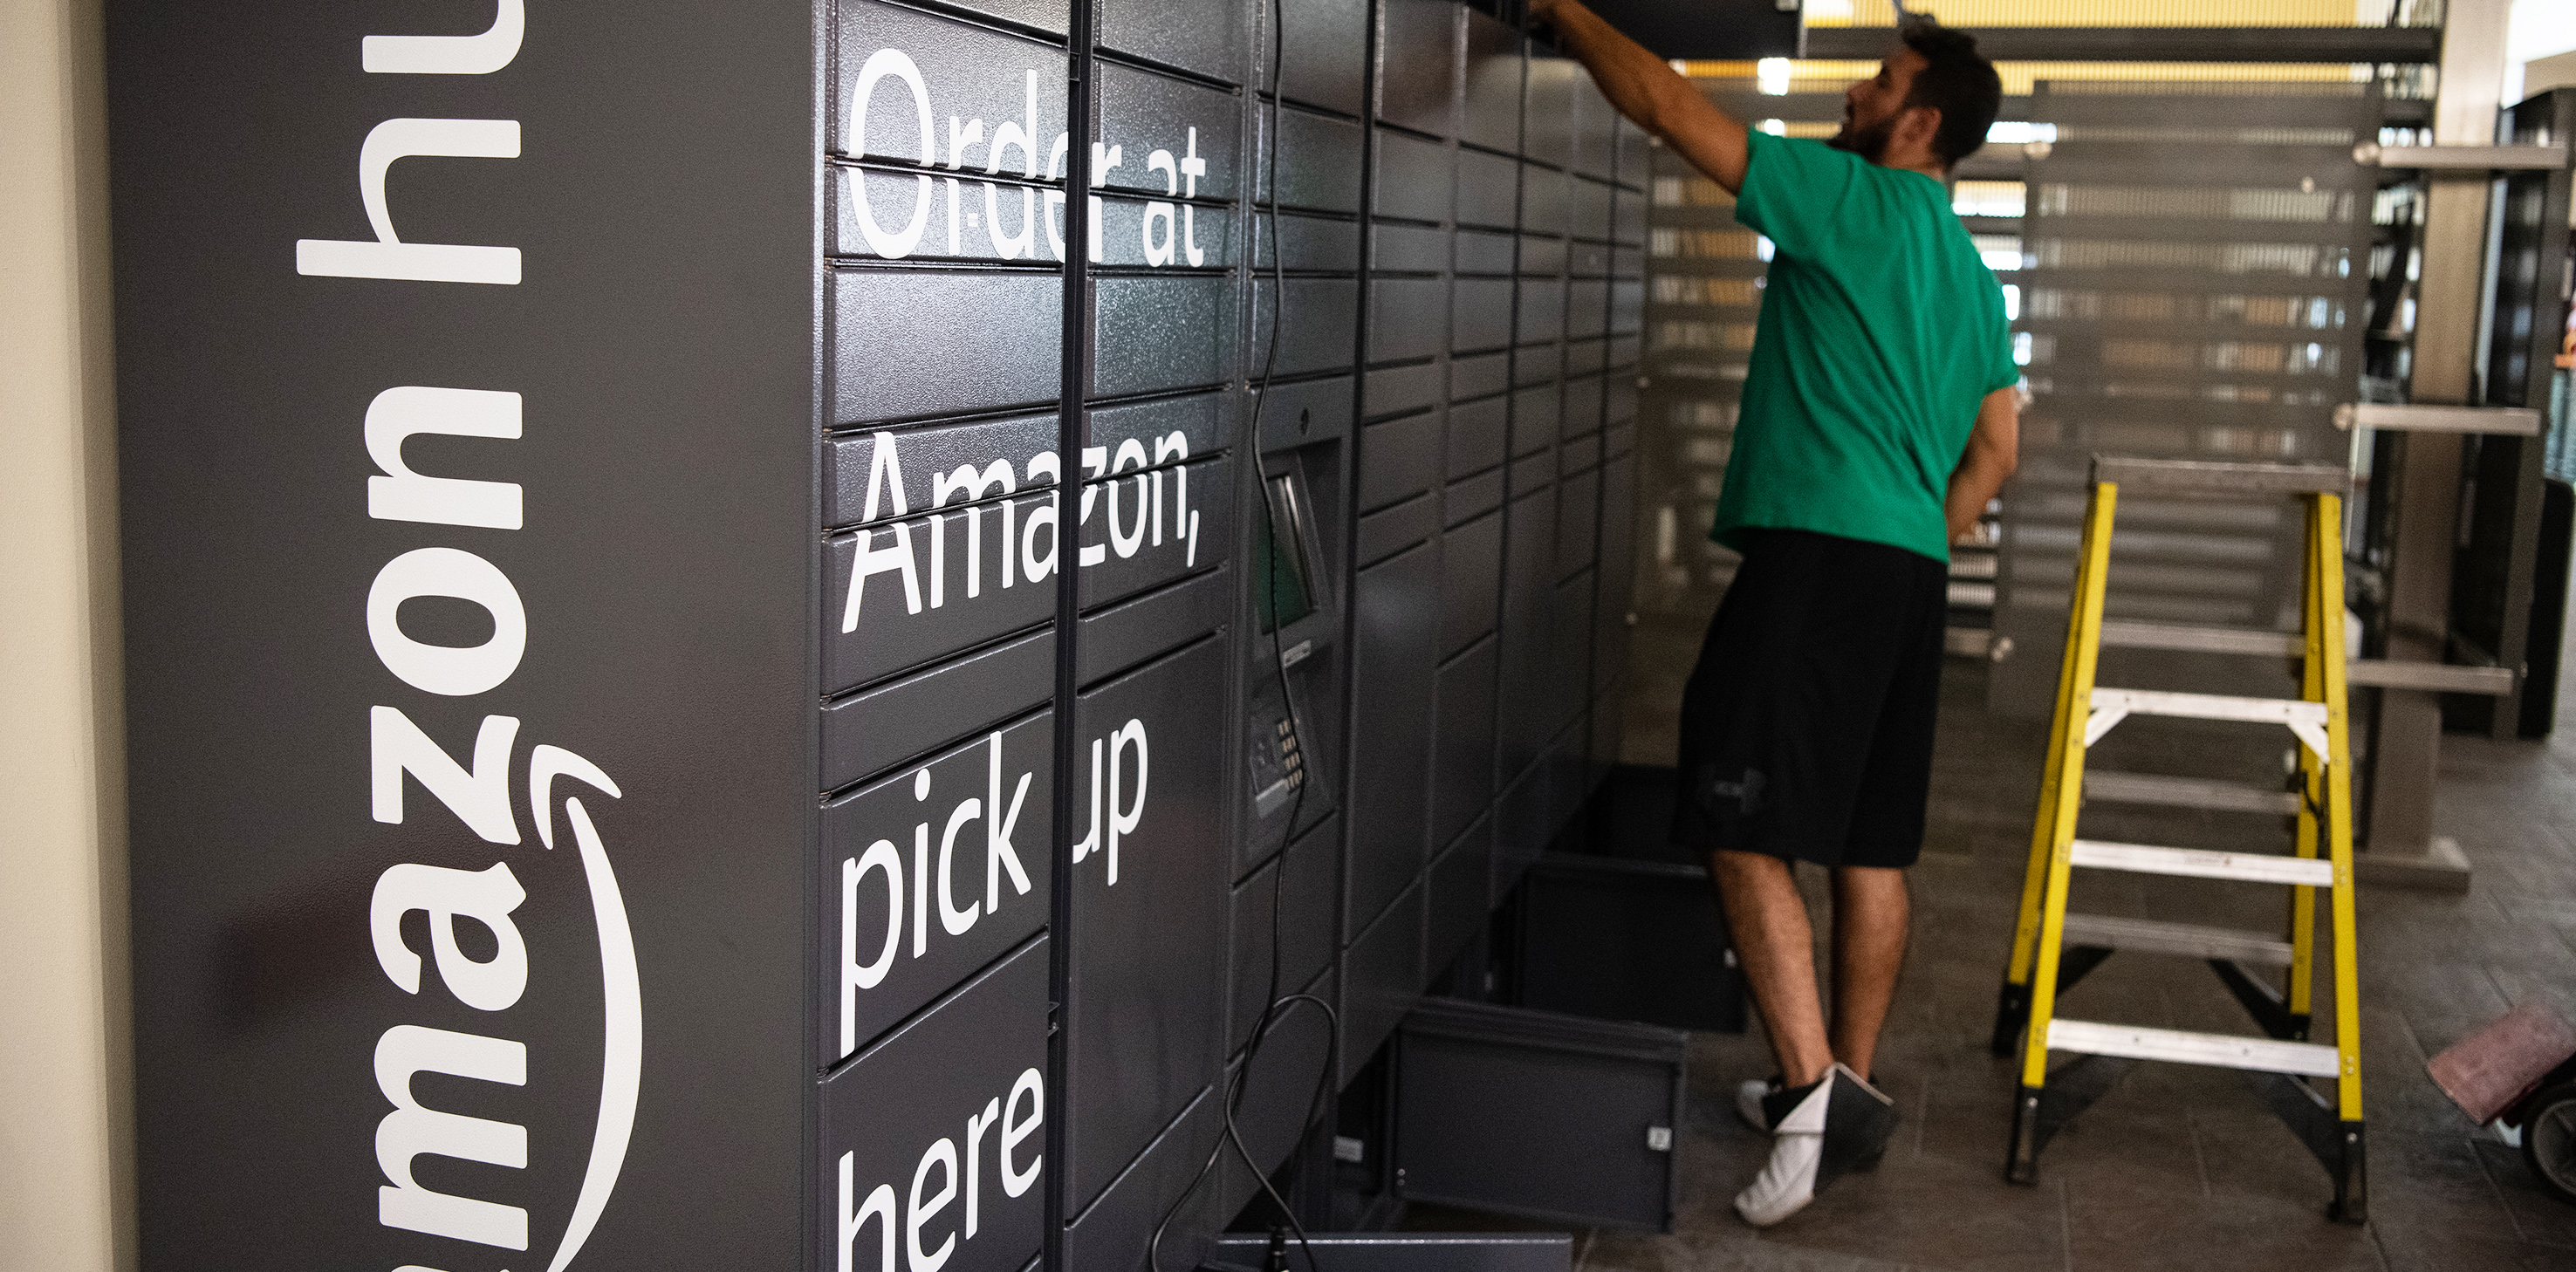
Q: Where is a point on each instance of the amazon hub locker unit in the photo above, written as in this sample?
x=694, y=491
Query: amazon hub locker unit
x=617, y=778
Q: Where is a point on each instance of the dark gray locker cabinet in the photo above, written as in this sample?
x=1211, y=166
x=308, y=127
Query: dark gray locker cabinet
x=1533, y=1113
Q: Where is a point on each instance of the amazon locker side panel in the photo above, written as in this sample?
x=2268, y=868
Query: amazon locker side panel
x=469, y=395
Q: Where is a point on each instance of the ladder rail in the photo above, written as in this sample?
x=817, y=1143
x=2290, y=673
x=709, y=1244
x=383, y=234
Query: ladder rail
x=2066, y=792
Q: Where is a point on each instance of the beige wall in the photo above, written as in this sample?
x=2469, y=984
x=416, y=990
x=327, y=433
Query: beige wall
x=66, y=1198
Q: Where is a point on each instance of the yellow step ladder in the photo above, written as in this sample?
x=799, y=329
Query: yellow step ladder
x=2052, y=948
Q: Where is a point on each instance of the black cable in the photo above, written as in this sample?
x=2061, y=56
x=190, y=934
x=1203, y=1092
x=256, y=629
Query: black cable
x=1276, y=1005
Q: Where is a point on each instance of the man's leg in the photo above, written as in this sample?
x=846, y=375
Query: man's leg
x=1871, y=911
x=1776, y=946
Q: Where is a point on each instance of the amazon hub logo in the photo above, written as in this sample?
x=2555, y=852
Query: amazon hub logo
x=479, y=795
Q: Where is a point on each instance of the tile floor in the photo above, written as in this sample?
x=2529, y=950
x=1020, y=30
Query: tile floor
x=2176, y=1167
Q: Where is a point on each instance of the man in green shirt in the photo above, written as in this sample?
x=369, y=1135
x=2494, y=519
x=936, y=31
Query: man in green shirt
x=1880, y=415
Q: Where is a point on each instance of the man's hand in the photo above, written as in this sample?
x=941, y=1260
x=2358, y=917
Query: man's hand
x=1994, y=448
x=1648, y=91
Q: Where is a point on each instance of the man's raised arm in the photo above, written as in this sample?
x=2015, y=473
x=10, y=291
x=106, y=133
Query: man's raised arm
x=1649, y=92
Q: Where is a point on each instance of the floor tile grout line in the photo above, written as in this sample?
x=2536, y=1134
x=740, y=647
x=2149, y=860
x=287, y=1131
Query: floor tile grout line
x=2066, y=1225
x=2496, y=1190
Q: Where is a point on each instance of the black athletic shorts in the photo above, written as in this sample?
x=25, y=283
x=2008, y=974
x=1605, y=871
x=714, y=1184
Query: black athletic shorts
x=1807, y=726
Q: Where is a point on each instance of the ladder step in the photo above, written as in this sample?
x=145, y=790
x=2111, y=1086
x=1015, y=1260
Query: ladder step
x=2151, y=936
x=2135, y=634
x=2304, y=718
x=2209, y=706
x=2187, y=792
x=2199, y=863
x=2225, y=1051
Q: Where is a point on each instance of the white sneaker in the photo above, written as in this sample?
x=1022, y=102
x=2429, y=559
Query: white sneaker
x=1821, y=1133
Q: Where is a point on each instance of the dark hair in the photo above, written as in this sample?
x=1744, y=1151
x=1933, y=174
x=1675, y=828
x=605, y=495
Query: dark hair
x=1955, y=80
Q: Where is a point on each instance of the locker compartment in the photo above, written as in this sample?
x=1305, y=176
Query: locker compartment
x=1306, y=914
x=1319, y=166
x=1113, y=1234
x=910, y=343
x=1152, y=334
x=1582, y=356
x=1479, y=252
x=1627, y=305
x=1408, y=249
x=972, y=72
x=1627, y=262
x=1596, y=130
x=1477, y=432
x=1471, y=581
x=1622, y=407
x=1583, y=399
x=1624, y=351
x=1535, y=415
x=1533, y=473
x=1204, y=421
x=965, y=216
x=1528, y=554
x=1628, y=218
x=1381, y=980
x=867, y=732
x=1543, y=200
x=1578, y=509
x=1148, y=943
x=1542, y=254
x=1538, y=363
x=1123, y=635
x=1635, y=156
x=982, y=863
x=1587, y=260
x=1473, y=497
x=1408, y=317
x=1488, y=190
x=1462, y=759
x=1308, y=242
x=1493, y=85
x=1324, y=57
x=1142, y=113
x=1209, y=40
x=1493, y=1102
x=1414, y=177
x=1542, y=310
x=1383, y=534
x=914, y=1108
x=1618, y=572
x=1480, y=314
x=1394, y=390
x=1587, y=307
x=1547, y=134
x=1398, y=459
x=1456, y=898
x=1319, y=324
x=1394, y=640
x=1616, y=938
x=916, y=458
x=1417, y=80
x=1279, y=1095
x=896, y=596
x=1619, y=439
x=1587, y=209
x=1478, y=376
x=1303, y=414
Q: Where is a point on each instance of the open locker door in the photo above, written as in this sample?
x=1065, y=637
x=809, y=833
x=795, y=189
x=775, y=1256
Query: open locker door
x=1533, y=1113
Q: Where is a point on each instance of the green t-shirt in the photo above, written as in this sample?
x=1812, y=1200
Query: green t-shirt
x=1881, y=333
